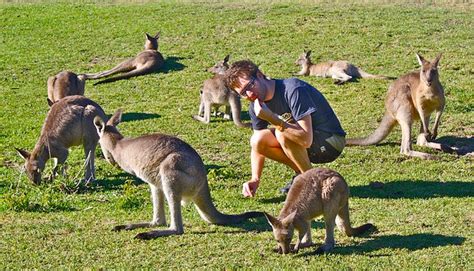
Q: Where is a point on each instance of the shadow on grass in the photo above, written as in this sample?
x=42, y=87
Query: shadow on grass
x=172, y=64
x=413, y=189
x=464, y=145
x=410, y=242
x=114, y=183
x=134, y=116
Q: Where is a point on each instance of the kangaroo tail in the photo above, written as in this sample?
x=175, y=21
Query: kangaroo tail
x=124, y=76
x=210, y=214
x=344, y=224
x=385, y=126
x=364, y=74
x=236, y=107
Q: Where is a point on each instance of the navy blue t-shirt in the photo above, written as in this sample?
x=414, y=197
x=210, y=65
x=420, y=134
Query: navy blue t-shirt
x=300, y=99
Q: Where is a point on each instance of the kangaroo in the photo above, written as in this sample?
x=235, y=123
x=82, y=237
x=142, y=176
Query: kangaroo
x=172, y=168
x=215, y=93
x=413, y=96
x=69, y=122
x=341, y=71
x=316, y=192
x=147, y=61
x=64, y=84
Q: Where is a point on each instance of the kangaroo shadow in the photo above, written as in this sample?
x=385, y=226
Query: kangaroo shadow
x=413, y=189
x=462, y=145
x=132, y=116
x=410, y=242
x=115, y=183
x=171, y=63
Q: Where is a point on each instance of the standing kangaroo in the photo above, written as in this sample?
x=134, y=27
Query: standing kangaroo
x=69, y=122
x=215, y=93
x=316, y=192
x=147, y=61
x=341, y=71
x=413, y=96
x=172, y=168
x=64, y=84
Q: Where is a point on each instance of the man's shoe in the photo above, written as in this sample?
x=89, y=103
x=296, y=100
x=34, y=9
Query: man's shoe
x=286, y=188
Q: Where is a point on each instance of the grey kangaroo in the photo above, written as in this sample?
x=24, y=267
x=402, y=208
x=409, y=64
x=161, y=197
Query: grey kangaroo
x=69, y=122
x=215, y=93
x=340, y=71
x=64, y=84
x=174, y=171
x=411, y=97
x=147, y=61
x=316, y=192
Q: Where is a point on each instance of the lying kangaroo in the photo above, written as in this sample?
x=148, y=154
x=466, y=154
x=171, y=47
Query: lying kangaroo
x=413, y=96
x=316, y=192
x=341, y=71
x=68, y=123
x=215, y=93
x=64, y=84
x=172, y=168
x=147, y=61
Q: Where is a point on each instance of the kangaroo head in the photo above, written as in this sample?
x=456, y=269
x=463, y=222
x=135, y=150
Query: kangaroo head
x=429, y=70
x=220, y=66
x=108, y=134
x=32, y=166
x=282, y=231
x=304, y=58
x=151, y=42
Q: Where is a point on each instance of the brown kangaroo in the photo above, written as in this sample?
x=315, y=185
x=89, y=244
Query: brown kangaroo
x=64, y=84
x=147, y=61
x=69, y=122
x=174, y=171
x=316, y=192
x=413, y=96
x=215, y=93
x=341, y=71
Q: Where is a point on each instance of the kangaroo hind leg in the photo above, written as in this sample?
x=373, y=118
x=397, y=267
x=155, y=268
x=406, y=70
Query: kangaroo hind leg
x=122, y=67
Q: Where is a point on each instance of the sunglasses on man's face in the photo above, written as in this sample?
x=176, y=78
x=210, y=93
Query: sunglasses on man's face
x=248, y=87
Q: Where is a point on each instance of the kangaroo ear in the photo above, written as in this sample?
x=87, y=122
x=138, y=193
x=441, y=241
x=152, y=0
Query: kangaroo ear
x=274, y=222
x=289, y=219
x=50, y=103
x=116, y=118
x=148, y=36
x=436, y=61
x=157, y=35
x=24, y=154
x=99, y=124
x=308, y=54
x=421, y=60
x=226, y=59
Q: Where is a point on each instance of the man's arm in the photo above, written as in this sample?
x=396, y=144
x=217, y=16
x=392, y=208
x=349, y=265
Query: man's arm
x=300, y=132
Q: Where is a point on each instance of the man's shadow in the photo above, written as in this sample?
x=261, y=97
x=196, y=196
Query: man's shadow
x=410, y=242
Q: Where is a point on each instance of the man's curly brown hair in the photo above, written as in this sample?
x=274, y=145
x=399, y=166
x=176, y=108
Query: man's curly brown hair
x=242, y=68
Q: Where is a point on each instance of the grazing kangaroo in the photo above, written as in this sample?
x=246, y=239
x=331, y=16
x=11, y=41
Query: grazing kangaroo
x=413, y=96
x=341, y=71
x=69, y=122
x=147, y=61
x=215, y=93
x=64, y=84
x=174, y=171
x=316, y=192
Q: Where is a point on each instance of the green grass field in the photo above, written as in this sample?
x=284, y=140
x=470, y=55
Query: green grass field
x=424, y=212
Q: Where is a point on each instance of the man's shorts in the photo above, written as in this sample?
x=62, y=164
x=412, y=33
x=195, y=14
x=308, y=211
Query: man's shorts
x=326, y=147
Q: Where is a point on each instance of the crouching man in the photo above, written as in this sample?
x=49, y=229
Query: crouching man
x=304, y=128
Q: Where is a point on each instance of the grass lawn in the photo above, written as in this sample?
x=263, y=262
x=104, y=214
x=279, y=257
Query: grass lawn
x=424, y=211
